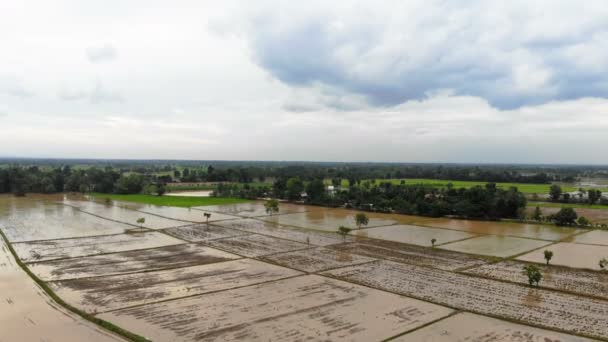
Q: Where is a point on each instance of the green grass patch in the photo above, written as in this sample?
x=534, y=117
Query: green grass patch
x=566, y=205
x=100, y=322
x=172, y=201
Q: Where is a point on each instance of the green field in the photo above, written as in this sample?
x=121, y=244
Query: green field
x=523, y=187
x=566, y=205
x=173, y=201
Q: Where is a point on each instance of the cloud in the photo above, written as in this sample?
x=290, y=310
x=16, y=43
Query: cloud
x=511, y=54
x=97, y=95
x=11, y=85
x=101, y=54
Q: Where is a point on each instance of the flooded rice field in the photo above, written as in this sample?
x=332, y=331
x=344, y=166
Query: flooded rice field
x=255, y=245
x=253, y=209
x=28, y=314
x=103, y=294
x=317, y=259
x=493, y=245
x=593, y=215
x=320, y=218
x=203, y=232
x=297, y=309
x=130, y=262
x=409, y=254
x=571, y=255
x=595, y=237
x=185, y=214
x=539, y=307
x=70, y=248
x=285, y=232
x=584, y=282
x=471, y=327
x=414, y=235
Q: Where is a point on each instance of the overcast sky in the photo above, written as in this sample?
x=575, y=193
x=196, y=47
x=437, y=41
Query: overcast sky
x=418, y=81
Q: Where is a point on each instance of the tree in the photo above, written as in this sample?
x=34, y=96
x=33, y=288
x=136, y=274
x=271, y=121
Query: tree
x=583, y=221
x=207, y=217
x=295, y=186
x=594, y=195
x=534, y=275
x=161, y=189
x=141, y=222
x=344, y=231
x=603, y=263
x=565, y=217
x=555, y=192
x=538, y=214
x=361, y=220
x=272, y=206
x=433, y=240
x=548, y=255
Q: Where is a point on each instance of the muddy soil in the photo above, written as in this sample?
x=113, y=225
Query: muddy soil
x=580, y=281
x=203, y=232
x=297, y=309
x=113, y=292
x=255, y=245
x=28, y=314
x=409, y=254
x=290, y=233
x=185, y=214
x=492, y=245
x=539, y=307
x=469, y=327
x=129, y=262
x=316, y=259
x=70, y=248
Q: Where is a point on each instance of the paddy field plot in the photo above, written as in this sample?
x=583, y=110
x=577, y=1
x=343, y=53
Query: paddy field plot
x=409, y=254
x=594, y=237
x=414, y=235
x=184, y=214
x=29, y=314
x=255, y=245
x=129, y=262
x=301, y=308
x=492, y=245
x=470, y=327
x=285, y=232
x=316, y=259
x=534, y=306
x=328, y=219
x=44, y=221
x=571, y=255
x=102, y=294
x=253, y=209
x=203, y=232
x=580, y=281
x=77, y=247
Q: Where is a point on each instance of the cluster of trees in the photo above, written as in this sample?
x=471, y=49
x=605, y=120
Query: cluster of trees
x=488, y=202
x=591, y=196
x=20, y=180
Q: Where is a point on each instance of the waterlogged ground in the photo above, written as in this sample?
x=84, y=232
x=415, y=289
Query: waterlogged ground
x=249, y=276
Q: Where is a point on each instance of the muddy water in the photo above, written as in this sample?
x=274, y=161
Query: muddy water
x=130, y=262
x=290, y=233
x=37, y=218
x=70, y=248
x=594, y=215
x=27, y=314
x=470, y=327
x=187, y=214
x=415, y=235
x=595, y=237
x=571, y=255
x=297, y=309
x=252, y=209
x=320, y=218
x=113, y=292
x=492, y=245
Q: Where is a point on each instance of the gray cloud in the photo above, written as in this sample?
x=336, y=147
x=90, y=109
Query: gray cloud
x=105, y=53
x=390, y=54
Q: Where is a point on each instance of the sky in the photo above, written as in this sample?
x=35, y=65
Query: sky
x=399, y=81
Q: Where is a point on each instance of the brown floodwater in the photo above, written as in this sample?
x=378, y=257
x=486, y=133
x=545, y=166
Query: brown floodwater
x=571, y=255
x=113, y=292
x=326, y=219
x=415, y=235
x=252, y=209
x=594, y=237
x=296, y=309
x=471, y=327
x=493, y=245
x=69, y=248
x=28, y=314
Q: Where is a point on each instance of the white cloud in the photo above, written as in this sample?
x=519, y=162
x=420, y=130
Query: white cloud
x=104, y=53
